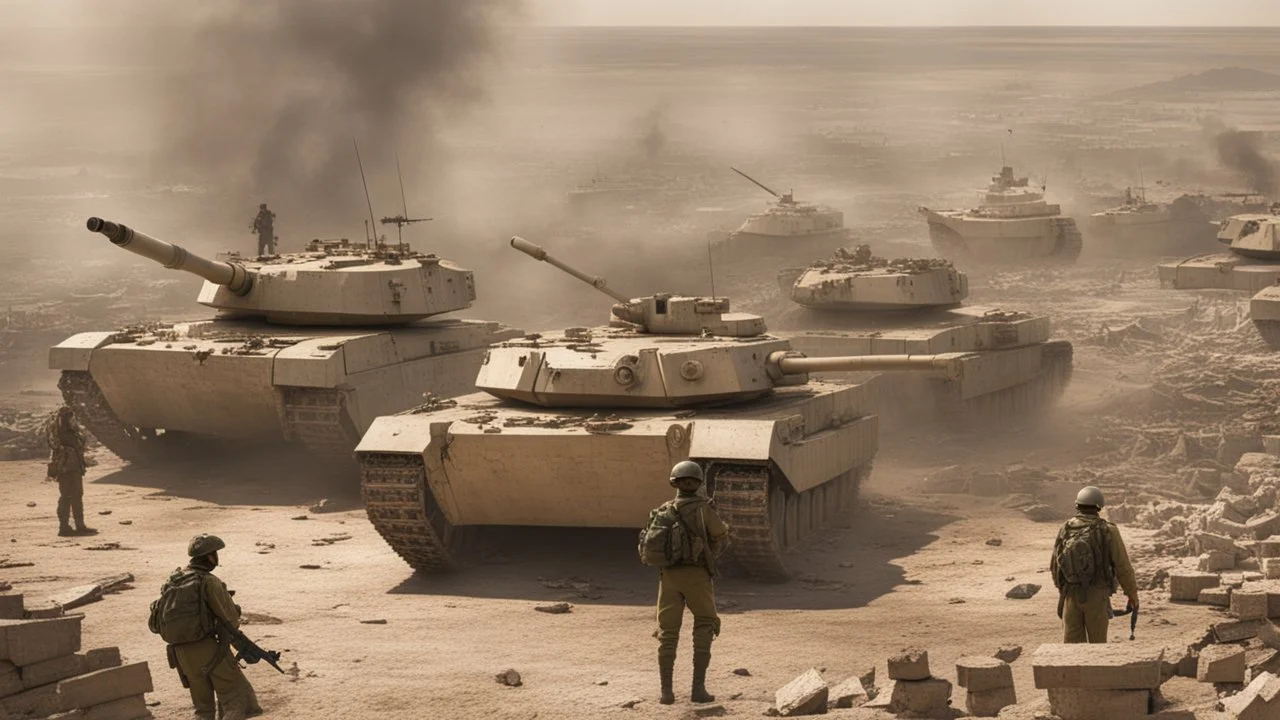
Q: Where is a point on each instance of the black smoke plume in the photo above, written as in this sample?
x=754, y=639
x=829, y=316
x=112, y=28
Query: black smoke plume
x=1239, y=151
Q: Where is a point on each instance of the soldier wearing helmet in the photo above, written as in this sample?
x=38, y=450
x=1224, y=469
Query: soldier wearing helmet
x=264, y=226
x=207, y=666
x=689, y=583
x=1089, y=561
x=67, y=466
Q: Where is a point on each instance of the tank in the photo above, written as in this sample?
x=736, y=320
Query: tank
x=1251, y=265
x=305, y=347
x=579, y=428
x=1142, y=227
x=1012, y=223
x=855, y=303
x=787, y=227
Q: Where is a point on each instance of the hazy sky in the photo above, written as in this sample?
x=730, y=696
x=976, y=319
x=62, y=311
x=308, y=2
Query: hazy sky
x=908, y=12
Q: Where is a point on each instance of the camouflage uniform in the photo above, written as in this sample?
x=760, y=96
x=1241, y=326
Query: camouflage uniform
x=67, y=466
x=1086, y=612
x=209, y=666
x=691, y=586
x=264, y=225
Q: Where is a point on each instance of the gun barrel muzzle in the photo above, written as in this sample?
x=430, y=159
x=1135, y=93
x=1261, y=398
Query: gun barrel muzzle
x=233, y=275
x=537, y=253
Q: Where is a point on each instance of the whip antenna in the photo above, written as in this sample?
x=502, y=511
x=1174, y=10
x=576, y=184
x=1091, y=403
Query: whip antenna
x=366, y=191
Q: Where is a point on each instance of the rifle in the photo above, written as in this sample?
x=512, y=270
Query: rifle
x=247, y=650
x=1133, y=617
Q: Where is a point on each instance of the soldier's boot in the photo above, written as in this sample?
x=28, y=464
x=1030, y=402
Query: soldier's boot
x=77, y=508
x=700, y=663
x=666, y=671
x=64, y=517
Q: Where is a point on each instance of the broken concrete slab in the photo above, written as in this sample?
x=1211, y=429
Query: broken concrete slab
x=910, y=664
x=133, y=707
x=930, y=698
x=1008, y=653
x=1186, y=586
x=25, y=642
x=848, y=694
x=1249, y=604
x=103, y=658
x=976, y=673
x=1218, y=596
x=1096, y=667
x=1235, y=630
x=989, y=703
x=1216, y=561
x=36, y=702
x=53, y=670
x=106, y=685
x=1093, y=704
x=1260, y=700
x=1221, y=664
x=805, y=695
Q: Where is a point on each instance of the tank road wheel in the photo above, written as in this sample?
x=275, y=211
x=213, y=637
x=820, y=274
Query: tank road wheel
x=404, y=512
x=766, y=519
x=1270, y=332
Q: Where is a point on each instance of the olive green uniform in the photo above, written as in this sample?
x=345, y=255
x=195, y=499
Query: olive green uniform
x=209, y=665
x=67, y=466
x=691, y=586
x=1086, y=612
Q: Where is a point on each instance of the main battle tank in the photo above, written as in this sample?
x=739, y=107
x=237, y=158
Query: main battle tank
x=1252, y=265
x=1012, y=223
x=307, y=347
x=788, y=227
x=1150, y=228
x=855, y=303
x=579, y=428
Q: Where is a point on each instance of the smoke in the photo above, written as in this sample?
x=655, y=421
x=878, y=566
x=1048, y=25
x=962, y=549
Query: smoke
x=1239, y=151
x=275, y=92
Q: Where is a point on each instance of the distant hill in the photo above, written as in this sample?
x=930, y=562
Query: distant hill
x=1228, y=79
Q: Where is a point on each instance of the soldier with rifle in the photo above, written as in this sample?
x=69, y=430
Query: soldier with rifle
x=264, y=226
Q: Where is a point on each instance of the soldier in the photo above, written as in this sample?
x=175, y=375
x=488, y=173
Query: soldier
x=66, y=465
x=688, y=583
x=206, y=665
x=264, y=225
x=1089, y=560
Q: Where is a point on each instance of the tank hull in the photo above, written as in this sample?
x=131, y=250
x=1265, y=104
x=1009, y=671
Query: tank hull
x=1230, y=271
x=955, y=234
x=428, y=476
x=1150, y=234
x=247, y=380
x=739, y=246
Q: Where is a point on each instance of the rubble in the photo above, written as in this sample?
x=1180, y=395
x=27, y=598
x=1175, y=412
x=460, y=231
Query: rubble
x=1097, y=682
x=509, y=677
x=848, y=694
x=1009, y=653
x=805, y=695
x=555, y=608
x=1259, y=701
x=988, y=683
x=1186, y=586
x=1024, y=591
x=909, y=664
x=1221, y=664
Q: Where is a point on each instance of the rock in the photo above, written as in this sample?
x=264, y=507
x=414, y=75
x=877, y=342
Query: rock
x=995, y=542
x=374, y=621
x=848, y=694
x=1221, y=664
x=1024, y=591
x=712, y=710
x=509, y=677
x=319, y=506
x=601, y=683
x=805, y=695
x=910, y=664
x=628, y=704
x=1259, y=701
x=868, y=679
x=930, y=698
x=299, y=517
x=1009, y=653
x=742, y=672
x=1041, y=513
x=555, y=609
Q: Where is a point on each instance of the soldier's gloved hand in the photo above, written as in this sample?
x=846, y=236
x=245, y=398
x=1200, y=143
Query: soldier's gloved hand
x=1133, y=605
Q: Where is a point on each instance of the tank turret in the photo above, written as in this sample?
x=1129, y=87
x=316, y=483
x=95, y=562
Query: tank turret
x=1254, y=235
x=328, y=284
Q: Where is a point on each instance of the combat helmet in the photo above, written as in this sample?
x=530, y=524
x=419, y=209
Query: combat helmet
x=1090, y=496
x=203, y=544
x=686, y=469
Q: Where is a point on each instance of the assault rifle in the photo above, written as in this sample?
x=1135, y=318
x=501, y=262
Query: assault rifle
x=1133, y=617
x=247, y=650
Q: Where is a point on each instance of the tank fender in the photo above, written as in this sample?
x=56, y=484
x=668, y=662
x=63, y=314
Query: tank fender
x=74, y=352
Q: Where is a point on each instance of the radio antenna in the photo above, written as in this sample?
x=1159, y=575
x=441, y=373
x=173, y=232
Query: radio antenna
x=711, y=270
x=401, y=220
x=366, y=191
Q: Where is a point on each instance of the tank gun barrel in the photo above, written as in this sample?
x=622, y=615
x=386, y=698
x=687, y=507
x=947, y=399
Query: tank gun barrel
x=233, y=275
x=537, y=253
x=761, y=185
x=789, y=363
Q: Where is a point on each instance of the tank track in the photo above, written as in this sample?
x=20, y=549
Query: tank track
x=81, y=393
x=765, y=519
x=1014, y=404
x=1270, y=331
x=404, y=512
x=317, y=418
x=1069, y=240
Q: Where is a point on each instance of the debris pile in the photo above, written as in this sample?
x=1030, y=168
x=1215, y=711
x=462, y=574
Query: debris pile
x=912, y=689
x=43, y=672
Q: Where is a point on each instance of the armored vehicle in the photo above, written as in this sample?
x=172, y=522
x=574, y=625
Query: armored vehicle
x=307, y=347
x=1013, y=222
x=1252, y=266
x=788, y=227
x=858, y=304
x=1139, y=226
x=578, y=428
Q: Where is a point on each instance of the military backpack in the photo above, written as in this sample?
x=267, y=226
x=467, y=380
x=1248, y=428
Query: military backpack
x=181, y=614
x=1082, y=554
x=668, y=540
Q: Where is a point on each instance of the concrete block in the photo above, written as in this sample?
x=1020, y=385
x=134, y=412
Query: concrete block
x=11, y=606
x=1235, y=631
x=1091, y=704
x=10, y=680
x=1260, y=700
x=37, y=702
x=1268, y=548
x=805, y=695
x=930, y=698
x=1221, y=664
x=51, y=671
x=126, y=708
x=1263, y=525
x=104, y=686
x=1216, y=561
x=1271, y=568
x=1096, y=667
x=1187, y=585
x=1249, y=604
x=1219, y=596
x=911, y=664
x=103, y=658
x=976, y=673
x=848, y=694
x=25, y=642
x=988, y=703
x=43, y=610
x=1273, y=603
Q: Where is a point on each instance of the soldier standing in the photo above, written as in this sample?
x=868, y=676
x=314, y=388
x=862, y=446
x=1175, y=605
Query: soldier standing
x=1089, y=561
x=66, y=465
x=264, y=225
x=688, y=564
x=193, y=605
